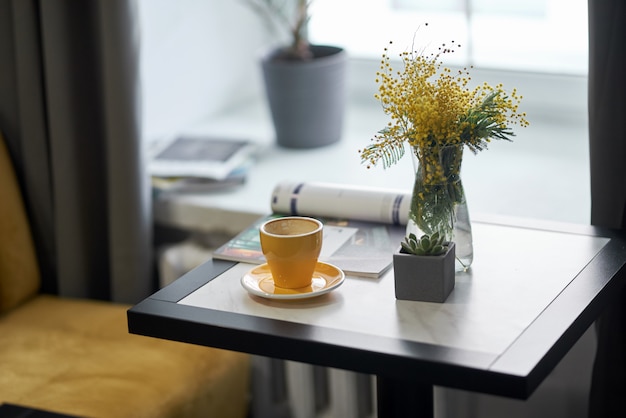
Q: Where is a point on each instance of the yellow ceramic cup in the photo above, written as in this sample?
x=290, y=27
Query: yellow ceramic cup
x=291, y=246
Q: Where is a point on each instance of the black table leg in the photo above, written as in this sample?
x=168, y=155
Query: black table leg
x=404, y=399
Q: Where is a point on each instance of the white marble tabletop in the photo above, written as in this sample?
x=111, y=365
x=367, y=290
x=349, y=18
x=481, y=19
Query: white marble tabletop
x=516, y=274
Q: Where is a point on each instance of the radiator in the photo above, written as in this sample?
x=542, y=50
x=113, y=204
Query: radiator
x=287, y=389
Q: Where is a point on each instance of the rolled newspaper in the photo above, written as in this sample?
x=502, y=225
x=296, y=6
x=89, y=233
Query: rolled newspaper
x=341, y=201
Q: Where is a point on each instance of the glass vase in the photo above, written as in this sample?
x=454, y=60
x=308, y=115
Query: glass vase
x=438, y=201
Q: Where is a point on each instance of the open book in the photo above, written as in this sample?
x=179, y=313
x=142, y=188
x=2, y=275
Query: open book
x=362, y=226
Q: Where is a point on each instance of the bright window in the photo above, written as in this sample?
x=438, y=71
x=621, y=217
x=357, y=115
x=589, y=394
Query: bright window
x=548, y=36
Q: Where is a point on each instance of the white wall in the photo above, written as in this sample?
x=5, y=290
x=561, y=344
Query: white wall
x=198, y=58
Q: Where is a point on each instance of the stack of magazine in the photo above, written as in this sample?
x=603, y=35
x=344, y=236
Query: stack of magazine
x=196, y=164
x=363, y=226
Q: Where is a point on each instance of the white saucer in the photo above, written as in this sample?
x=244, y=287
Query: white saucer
x=258, y=281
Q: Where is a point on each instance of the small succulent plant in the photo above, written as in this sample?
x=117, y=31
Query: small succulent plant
x=427, y=245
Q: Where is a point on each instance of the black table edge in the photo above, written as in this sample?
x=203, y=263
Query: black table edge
x=513, y=374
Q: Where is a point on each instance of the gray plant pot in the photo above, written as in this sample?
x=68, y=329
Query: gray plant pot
x=423, y=277
x=307, y=98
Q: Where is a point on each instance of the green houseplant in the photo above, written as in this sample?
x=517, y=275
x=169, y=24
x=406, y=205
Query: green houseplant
x=304, y=83
x=291, y=17
x=424, y=268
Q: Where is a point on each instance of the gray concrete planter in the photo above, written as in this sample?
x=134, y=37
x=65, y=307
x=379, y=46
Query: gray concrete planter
x=307, y=98
x=424, y=278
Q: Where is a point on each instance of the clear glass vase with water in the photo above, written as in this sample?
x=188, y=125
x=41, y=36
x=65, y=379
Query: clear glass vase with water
x=438, y=201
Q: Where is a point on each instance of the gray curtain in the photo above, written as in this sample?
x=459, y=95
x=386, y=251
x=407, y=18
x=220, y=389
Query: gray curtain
x=607, y=145
x=70, y=109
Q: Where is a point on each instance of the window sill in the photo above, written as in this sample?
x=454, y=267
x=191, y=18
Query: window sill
x=542, y=174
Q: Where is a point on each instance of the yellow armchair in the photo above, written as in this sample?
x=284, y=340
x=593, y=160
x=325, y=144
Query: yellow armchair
x=76, y=357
